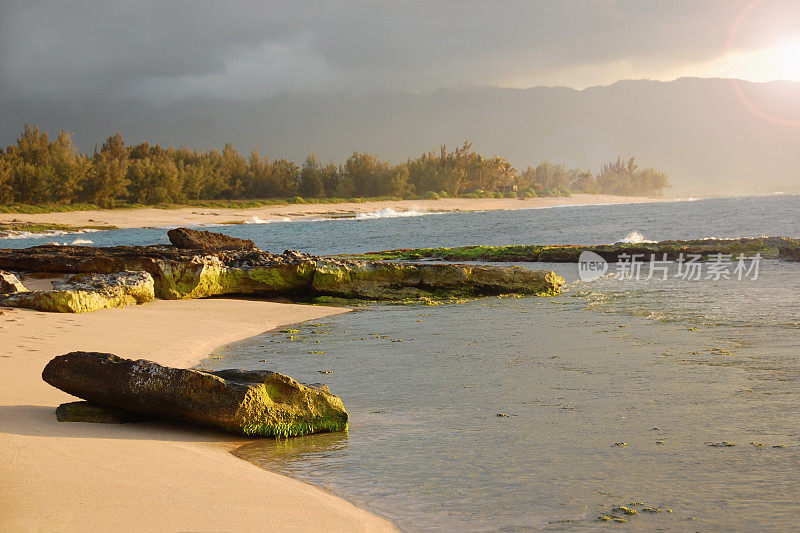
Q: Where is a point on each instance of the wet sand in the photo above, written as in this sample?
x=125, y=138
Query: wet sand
x=154, y=476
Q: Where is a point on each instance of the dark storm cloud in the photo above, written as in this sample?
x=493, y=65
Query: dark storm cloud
x=164, y=50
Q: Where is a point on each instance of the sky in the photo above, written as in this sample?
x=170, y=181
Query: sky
x=167, y=50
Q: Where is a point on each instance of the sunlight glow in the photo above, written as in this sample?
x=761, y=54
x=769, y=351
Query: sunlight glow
x=778, y=62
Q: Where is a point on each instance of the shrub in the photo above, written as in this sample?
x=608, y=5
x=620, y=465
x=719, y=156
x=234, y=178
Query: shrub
x=430, y=195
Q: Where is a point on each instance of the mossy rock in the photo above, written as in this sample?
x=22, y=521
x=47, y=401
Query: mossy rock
x=253, y=403
x=94, y=413
x=10, y=283
x=398, y=281
x=82, y=293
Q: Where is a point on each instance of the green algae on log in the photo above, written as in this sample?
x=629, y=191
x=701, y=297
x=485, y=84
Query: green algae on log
x=768, y=247
x=81, y=293
x=252, y=403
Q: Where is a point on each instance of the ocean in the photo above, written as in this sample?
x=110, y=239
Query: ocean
x=673, y=398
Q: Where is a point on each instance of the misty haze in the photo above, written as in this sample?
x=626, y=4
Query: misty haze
x=422, y=265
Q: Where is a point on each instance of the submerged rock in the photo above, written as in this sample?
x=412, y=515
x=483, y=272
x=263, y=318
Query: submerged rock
x=87, y=292
x=10, y=283
x=790, y=253
x=768, y=247
x=192, y=239
x=99, y=414
x=259, y=403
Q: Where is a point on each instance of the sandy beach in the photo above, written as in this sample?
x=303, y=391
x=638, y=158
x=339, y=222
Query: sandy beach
x=154, y=476
x=151, y=217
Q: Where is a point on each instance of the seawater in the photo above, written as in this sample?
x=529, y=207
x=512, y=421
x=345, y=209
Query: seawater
x=616, y=393
x=716, y=217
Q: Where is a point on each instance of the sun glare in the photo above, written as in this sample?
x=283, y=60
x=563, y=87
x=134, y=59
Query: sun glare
x=781, y=62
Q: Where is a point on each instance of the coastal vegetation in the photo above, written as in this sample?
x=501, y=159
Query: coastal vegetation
x=39, y=175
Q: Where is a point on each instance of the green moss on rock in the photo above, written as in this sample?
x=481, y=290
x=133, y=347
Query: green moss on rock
x=253, y=403
x=88, y=292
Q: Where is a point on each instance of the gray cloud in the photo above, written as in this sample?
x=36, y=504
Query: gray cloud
x=165, y=50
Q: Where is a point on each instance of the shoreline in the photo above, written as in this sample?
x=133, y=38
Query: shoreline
x=154, y=217
x=171, y=476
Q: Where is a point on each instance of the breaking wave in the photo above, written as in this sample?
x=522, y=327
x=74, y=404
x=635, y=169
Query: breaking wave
x=390, y=213
x=256, y=220
x=635, y=237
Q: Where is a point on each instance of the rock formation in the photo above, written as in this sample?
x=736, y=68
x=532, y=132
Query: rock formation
x=192, y=239
x=768, y=247
x=255, y=402
x=181, y=274
x=10, y=283
x=80, y=293
x=790, y=252
x=98, y=414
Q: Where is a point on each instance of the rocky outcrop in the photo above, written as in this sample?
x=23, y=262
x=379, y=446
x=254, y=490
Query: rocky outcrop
x=177, y=273
x=191, y=274
x=768, y=247
x=391, y=281
x=790, y=253
x=192, y=239
x=259, y=403
x=10, y=283
x=98, y=414
x=87, y=292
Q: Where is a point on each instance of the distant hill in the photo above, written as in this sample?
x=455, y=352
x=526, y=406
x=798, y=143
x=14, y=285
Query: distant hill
x=699, y=131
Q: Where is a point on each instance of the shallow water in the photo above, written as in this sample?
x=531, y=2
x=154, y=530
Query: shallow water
x=427, y=449
x=667, y=367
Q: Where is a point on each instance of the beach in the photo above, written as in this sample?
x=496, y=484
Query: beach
x=154, y=217
x=155, y=476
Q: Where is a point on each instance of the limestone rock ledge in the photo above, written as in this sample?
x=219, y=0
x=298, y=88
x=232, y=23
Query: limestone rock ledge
x=10, y=283
x=258, y=402
x=790, y=253
x=81, y=293
x=182, y=274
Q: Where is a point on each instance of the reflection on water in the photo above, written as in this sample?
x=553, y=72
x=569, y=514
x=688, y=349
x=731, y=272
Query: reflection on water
x=426, y=447
x=290, y=453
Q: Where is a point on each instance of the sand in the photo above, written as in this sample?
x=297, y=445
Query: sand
x=150, y=217
x=161, y=476
x=155, y=476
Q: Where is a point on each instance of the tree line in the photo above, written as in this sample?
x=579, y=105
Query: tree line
x=37, y=170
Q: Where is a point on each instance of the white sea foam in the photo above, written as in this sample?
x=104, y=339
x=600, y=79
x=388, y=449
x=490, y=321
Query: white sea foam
x=82, y=241
x=256, y=220
x=635, y=237
x=49, y=233
x=31, y=234
x=390, y=213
